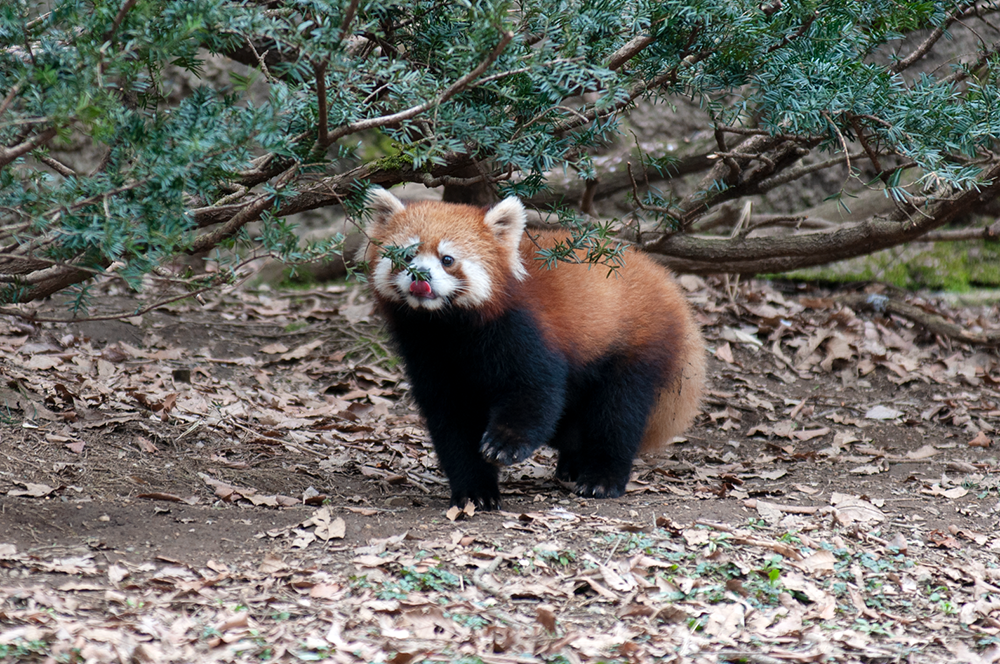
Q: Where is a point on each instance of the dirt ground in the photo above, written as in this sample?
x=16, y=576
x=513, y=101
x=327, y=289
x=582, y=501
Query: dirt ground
x=245, y=479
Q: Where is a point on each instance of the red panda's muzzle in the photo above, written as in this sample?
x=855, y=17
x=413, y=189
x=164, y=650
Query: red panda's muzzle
x=421, y=289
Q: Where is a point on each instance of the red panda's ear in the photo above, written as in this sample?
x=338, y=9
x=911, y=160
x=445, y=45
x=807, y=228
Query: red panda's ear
x=383, y=205
x=507, y=220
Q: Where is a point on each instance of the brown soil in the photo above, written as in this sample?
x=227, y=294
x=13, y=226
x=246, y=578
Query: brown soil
x=287, y=399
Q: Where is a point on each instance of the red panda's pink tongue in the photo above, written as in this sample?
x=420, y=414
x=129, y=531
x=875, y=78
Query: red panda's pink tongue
x=421, y=289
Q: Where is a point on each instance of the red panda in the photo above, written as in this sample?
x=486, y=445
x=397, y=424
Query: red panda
x=505, y=355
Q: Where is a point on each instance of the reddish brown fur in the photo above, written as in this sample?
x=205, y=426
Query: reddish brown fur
x=584, y=311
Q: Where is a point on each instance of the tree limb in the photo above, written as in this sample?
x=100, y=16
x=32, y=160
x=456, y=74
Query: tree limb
x=629, y=51
x=754, y=255
x=991, y=232
x=8, y=155
x=448, y=93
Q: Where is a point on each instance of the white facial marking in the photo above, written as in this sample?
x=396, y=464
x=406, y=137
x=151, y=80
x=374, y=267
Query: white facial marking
x=477, y=288
x=382, y=280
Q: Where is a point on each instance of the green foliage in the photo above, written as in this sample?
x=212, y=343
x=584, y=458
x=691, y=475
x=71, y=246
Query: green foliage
x=87, y=73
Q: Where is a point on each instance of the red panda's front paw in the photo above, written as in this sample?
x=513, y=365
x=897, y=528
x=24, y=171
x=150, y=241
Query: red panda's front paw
x=600, y=488
x=486, y=501
x=503, y=447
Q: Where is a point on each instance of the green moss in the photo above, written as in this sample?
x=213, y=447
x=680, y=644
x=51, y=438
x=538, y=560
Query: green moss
x=949, y=266
x=394, y=162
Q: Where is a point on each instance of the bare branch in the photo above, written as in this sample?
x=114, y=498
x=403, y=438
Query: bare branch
x=446, y=180
x=648, y=208
x=926, y=45
x=932, y=322
x=981, y=61
x=991, y=232
x=637, y=89
x=801, y=31
x=59, y=167
x=708, y=255
x=794, y=174
x=448, y=93
x=8, y=155
x=248, y=213
x=9, y=98
x=629, y=51
x=352, y=9
x=320, y=70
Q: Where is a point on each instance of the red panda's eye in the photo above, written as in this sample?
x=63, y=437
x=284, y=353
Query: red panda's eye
x=447, y=261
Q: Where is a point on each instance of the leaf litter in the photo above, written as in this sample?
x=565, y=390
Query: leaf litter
x=846, y=485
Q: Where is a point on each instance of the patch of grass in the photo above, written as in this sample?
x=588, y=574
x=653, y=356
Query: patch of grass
x=559, y=558
x=949, y=266
x=409, y=580
x=20, y=649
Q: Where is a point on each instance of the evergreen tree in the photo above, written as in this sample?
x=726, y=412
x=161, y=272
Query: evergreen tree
x=104, y=170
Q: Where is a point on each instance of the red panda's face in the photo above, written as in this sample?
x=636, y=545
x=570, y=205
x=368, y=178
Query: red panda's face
x=435, y=273
x=435, y=255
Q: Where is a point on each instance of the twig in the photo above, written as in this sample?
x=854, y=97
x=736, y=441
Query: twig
x=746, y=656
x=802, y=171
x=130, y=314
x=9, y=99
x=126, y=8
x=872, y=157
x=489, y=588
x=931, y=322
x=843, y=141
x=801, y=31
x=320, y=72
x=59, y=167
x=352, y=8
x=963, y=73
x=279, y=441
x=647, y=208
x=744, y=131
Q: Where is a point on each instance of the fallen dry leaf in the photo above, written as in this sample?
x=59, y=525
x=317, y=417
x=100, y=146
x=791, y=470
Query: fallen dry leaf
x=882, y=413
x=725, y=353
x=980, y=440
x=31, y=490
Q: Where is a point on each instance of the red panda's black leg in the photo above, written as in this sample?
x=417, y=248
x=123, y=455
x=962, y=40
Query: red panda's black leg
x=471, y=478
x=611, y=429
x=528, y=409
x=567, y=442
x=516, y=430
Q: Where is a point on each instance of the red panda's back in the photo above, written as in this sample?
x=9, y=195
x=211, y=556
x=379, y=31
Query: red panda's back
x=638, y=310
